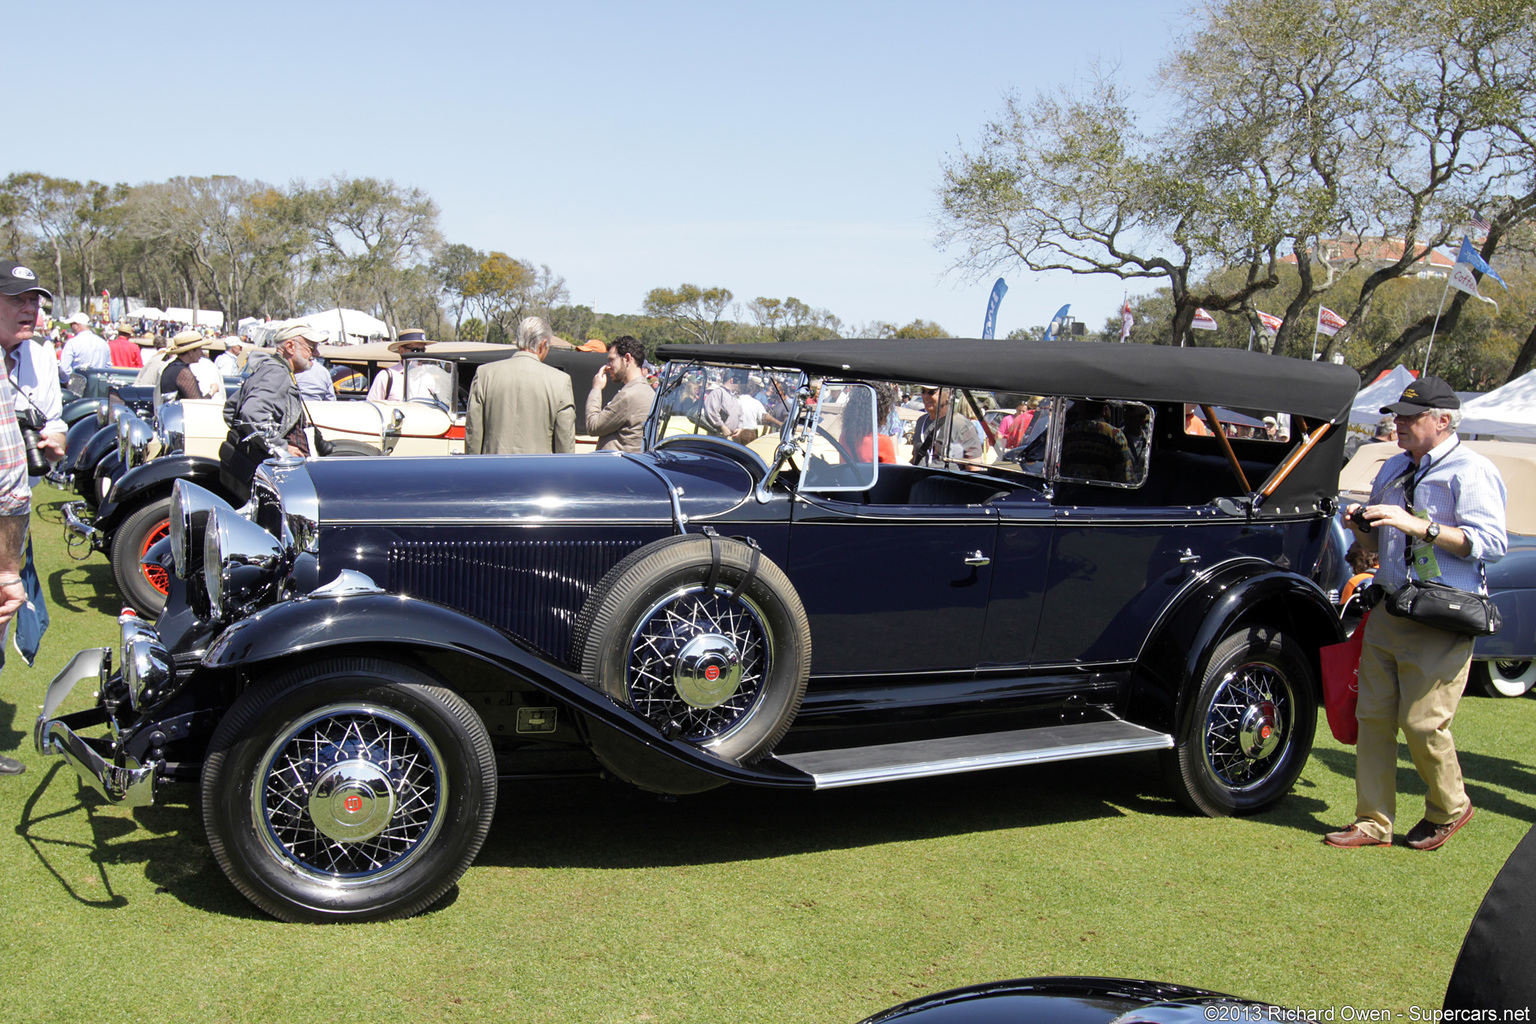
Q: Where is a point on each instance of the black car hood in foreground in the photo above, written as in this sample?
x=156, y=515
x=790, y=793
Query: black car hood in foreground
x=526, y=489
x=1151, y=373
x=1072, y=1001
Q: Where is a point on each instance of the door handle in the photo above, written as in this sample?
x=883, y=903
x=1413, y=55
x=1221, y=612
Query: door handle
x=1188, y=557
x=976, y=558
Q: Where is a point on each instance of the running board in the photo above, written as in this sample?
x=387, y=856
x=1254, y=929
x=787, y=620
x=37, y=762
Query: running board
x=886, y=762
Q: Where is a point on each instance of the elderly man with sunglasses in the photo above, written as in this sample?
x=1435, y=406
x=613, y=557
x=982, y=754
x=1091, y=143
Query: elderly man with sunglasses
x=1436, y=513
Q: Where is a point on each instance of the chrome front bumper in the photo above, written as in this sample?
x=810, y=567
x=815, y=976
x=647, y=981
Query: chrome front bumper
x=128, y=784
x=79, y=530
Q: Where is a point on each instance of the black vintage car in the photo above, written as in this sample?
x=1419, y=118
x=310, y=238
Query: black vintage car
x=348, y=667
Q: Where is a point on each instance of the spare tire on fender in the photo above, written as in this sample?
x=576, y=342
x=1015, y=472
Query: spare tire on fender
x=704, y=637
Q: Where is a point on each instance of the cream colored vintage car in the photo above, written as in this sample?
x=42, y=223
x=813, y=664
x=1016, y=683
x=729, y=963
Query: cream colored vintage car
x=429, y=421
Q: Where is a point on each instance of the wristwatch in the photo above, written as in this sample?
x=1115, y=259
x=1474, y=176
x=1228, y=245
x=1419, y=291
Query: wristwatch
x=1432, y=532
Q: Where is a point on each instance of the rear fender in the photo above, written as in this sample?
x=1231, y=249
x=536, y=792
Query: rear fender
x=390, y=622
x=1232, y=595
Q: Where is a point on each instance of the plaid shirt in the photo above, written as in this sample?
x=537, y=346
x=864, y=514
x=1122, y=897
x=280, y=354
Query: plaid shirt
x=1457, y=488
x=15, y=494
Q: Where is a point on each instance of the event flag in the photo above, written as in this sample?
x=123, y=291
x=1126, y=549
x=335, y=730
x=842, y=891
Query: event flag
x=1329, y=322
x=1204, y=321
x=1470, y=256
x=1057, y=321
x=1480, y=222
x=989, y=327
x=1271, y=323
x=1126, y=319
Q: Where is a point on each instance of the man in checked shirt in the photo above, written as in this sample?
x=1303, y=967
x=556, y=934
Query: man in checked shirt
x=19, y=297
x=1436, y=513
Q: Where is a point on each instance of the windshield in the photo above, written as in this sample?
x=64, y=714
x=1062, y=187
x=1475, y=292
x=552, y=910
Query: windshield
x=429, y=380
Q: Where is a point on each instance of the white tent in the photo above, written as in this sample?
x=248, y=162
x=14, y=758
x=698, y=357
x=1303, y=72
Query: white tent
x=345, y=325
x=1505, y=414
x=1366, y=411
x=147, y=313
x=200, y=317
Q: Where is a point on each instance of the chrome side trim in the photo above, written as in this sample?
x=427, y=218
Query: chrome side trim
x=858, y=766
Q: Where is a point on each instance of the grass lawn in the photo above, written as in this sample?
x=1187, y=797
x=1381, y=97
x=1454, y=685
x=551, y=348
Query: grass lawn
x=592, y=902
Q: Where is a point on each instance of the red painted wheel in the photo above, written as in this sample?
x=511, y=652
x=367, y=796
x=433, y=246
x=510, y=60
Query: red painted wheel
x=144, y=587
x=155, y=575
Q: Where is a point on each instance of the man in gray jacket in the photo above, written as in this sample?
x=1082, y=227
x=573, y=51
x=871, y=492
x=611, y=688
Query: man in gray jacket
x=268, y=399
x=620, y=425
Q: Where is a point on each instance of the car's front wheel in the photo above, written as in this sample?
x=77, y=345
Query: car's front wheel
x=1503, y=677
x=143, y=586
x=1250, y=729
x=351, y=789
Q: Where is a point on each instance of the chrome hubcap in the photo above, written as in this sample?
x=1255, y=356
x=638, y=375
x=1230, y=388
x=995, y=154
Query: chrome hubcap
x=708, y=671
x=352, y=801
x=1260, y=731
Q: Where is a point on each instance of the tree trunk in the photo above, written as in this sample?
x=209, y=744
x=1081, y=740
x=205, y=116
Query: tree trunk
x=1526, y=358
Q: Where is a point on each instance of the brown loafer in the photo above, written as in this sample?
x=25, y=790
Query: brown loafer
x=1426, y=835
x=1352, y=837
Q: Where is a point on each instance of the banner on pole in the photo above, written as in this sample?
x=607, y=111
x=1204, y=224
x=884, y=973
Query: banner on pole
x=1474, y=259
x=1126, y=319
x=1271, y=323
x=989, y=326
x=1204, y=321
x=1329, y=322
x=1056, y=322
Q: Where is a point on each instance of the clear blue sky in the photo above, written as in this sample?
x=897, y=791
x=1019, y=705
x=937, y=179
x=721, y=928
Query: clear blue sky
x=779, y=149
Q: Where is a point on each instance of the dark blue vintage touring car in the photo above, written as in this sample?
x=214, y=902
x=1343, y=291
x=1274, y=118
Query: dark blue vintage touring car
x=350, y=663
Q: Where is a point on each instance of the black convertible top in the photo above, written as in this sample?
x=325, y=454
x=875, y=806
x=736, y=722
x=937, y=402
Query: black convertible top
x=1153, y=373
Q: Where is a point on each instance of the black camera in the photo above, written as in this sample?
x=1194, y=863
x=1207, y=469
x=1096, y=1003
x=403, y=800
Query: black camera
x=31, y=423
x=1358, y=518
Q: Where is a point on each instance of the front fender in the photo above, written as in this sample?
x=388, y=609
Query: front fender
x=154, y=480
x=1229, y=596
x=310, y=625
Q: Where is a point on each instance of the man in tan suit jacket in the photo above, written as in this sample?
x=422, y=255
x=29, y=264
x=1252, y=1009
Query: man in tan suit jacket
x=519, y=406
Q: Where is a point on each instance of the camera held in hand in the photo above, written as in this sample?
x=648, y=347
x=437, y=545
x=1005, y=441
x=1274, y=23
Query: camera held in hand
x=1358, y=518
x=31, y=423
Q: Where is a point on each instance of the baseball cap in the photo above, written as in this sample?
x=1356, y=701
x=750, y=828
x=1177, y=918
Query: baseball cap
x=16, y=279
x=79, y=318
x=1424, y=394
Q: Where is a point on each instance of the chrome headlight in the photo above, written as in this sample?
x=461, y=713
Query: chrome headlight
x=190, y=505
x=242, y=563
x=148, y=670
x=103, y=412
x=133, y=437
x=170, y=428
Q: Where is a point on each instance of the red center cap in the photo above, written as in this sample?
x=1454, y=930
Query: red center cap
x=712, y=673
x=353, y=803
x=1264, y=732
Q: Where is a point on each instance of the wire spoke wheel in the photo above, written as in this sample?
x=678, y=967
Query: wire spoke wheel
x=698, y=660
x=347, y=789
x=1248, y=726
x=705, y=639
x=1245, y=728
x=351, y=793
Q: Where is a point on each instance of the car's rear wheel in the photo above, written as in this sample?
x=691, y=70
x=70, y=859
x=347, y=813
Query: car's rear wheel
x=704, y=637
x=1503, y=677
x=352, y=789
x=143, y=586
x=1250, y=729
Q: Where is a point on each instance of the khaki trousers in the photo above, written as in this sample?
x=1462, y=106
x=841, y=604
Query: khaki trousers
x=1411, y=677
